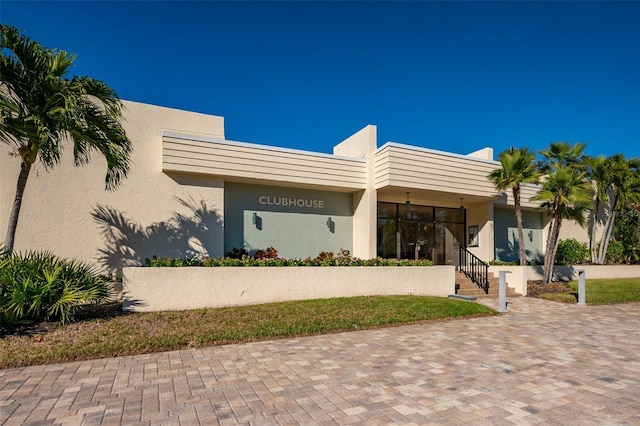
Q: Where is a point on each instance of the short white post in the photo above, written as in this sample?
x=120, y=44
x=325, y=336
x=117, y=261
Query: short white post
x=502, y=292
x=581, y=288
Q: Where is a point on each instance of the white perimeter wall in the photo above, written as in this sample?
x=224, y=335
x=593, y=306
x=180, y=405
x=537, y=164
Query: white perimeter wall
x=166, y=289
x=519, y=275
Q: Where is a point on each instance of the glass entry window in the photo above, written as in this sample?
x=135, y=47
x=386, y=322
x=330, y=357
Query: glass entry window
x=421, y=232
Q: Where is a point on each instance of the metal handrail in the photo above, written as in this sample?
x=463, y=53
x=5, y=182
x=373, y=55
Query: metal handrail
x=474, y=268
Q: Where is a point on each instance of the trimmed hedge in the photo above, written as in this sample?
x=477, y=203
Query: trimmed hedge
x=263, y=258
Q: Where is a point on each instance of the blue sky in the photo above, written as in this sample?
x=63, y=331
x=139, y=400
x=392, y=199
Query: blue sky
x=453, y=76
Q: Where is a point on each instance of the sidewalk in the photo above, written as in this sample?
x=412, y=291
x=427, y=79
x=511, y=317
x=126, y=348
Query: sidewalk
x=542, y=363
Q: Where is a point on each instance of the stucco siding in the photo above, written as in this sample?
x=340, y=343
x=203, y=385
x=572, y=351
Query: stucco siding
x=155, y=289
x=189, y=154
x=402, y=166
x=527, y=192
x=68, y=211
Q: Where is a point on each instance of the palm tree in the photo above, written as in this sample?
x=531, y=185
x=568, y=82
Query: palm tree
x=598, y=172
x=518, y=168
x=565, y=194
x=563, y=154
x=621, y=188
x=40, y=108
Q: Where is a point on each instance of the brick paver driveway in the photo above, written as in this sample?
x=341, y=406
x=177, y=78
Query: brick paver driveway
x=542, y=363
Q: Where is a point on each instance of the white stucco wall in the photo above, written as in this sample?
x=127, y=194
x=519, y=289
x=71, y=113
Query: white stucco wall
x=58, y=205
x=516, y=277
x=519, y=275
x=481, y=215
x=567, y=273
x=161, y=289
x=362, y=144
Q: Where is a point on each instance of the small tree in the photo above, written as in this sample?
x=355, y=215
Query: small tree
x=518, y=167
x=40, y=107
x=565, y=194
x=621, y=190
x=627, y=231
x=598, y=173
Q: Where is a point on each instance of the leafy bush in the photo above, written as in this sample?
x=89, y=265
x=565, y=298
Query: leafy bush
x=236, y=253
x=269, y=257
x=504, y=263
x=627, y=231
x=324, y=257
x=270, y=253
x=572, y=252
x=616, y=252
x=40, y=286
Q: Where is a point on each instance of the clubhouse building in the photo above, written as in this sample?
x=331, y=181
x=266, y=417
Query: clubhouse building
x=190, y=191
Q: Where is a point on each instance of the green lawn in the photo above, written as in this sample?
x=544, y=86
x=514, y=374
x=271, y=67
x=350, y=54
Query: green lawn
x=601, y=292
x=139, y=333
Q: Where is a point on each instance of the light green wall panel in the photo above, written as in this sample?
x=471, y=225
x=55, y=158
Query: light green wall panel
x=294, y=221
x=506, y=235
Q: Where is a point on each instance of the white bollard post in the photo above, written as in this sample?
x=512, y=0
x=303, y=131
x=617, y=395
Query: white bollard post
x=502, y=292
x=581, y=288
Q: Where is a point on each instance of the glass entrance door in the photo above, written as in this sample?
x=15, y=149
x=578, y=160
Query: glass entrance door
x=420, y=232
x=416, y=240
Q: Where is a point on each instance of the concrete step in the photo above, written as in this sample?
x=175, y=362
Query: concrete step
x=466, y=287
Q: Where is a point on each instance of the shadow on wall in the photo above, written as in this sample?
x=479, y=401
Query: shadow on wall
x=128, y=243
x=560, y=272
x=510, y=253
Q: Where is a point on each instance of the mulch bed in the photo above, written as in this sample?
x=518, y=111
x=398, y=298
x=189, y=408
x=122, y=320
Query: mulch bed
x=534, y=288
x=89, y=312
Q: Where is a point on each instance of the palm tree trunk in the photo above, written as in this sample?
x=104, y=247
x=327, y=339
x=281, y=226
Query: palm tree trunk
x=552, y=246
x=25, y=168
x=548, y=265
x=606, y=237
x=556, y=238
x=518, y=209
x=546, y=250
x=592, y=235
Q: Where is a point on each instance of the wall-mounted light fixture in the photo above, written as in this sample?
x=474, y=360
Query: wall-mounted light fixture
x=257, y=221
x=331, y=225
x=408, y=203
x=461, y=206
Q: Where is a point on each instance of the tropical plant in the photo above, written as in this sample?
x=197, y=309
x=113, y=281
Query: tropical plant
x=518, y=167
x=619, y=189
x=627, y=231
x=565, y=194
x=343, y=258
x=563, y=154
x=598, y=174
x=40, y=286
x=571, y=252
x=41, y=107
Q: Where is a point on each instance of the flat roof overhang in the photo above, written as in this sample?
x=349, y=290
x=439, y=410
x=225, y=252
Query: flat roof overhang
x=396, y=194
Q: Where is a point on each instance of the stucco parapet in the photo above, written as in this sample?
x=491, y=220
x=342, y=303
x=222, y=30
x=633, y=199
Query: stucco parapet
x=200, y=138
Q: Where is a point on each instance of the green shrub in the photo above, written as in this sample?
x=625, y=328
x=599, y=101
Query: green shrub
x=572, y=252
x=343, y=258
x=236, y=253
x=39, y=286
x=616, y=252
x=504, y=263
x=270, y=253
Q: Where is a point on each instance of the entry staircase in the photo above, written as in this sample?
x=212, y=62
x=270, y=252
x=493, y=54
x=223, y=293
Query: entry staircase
x=473, y=278
x=466, y=287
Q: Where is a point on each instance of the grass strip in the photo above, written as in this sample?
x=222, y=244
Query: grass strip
x=139, y=333
x=601, y=292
